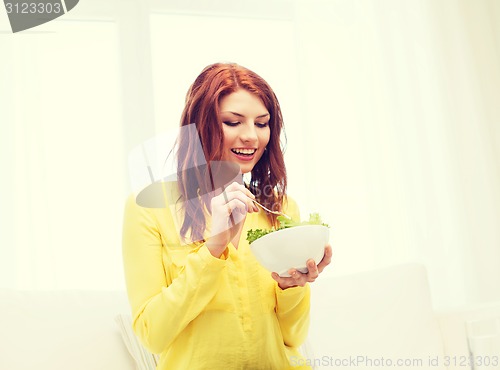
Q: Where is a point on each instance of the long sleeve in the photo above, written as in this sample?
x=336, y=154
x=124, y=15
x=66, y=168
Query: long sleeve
x=292, y=310
x=293, y=304
x=161, y=309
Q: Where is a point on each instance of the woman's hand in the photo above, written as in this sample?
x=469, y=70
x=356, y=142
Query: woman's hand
x=229, y=209
x=300, y=279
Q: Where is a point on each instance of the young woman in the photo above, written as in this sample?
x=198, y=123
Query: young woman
x=198, y=296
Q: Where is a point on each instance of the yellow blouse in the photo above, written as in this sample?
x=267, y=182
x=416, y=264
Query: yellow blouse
x=202, y=312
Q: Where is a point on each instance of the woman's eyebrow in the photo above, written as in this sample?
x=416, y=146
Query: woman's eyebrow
x=241, y=115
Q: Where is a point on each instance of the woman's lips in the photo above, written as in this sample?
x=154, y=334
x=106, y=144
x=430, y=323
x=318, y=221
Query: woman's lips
x=243, y=157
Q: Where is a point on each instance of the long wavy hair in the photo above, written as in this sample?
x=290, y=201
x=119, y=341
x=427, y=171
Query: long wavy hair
x=268, y=177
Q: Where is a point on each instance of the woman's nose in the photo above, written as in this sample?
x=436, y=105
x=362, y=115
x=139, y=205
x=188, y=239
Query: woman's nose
x=248, y=134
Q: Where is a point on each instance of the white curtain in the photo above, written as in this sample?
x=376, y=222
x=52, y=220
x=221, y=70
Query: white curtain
x=391, y=111
x=62, y=153
x=402, y=104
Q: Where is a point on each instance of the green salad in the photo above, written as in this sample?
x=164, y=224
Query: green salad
x=314, y=219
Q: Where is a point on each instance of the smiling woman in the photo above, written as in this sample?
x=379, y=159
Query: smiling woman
x=232, y=105
x=205, y=301
x=246, y=128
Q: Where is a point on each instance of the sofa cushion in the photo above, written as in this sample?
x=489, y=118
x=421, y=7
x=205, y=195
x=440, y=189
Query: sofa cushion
x=453, y=328
x=376, y=319
x=62, y=330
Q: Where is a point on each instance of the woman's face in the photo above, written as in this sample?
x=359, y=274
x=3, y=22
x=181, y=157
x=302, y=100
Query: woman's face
x=245, y=123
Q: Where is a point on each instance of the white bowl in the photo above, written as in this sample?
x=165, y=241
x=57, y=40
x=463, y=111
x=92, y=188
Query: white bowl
x=284, y=249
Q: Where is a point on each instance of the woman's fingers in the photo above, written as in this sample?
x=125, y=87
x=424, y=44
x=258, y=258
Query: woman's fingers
x=228, y=208
x=296, y=279
x=300, y=279
x=237, y=191
x=252, y=198
x=285, y=282
x=327, y=258
x=234, y=186
x=236, y=205
x=313, y=271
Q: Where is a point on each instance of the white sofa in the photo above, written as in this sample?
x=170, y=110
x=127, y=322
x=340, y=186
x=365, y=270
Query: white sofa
x=62, y=330
x=358, y=321
x=384, y=319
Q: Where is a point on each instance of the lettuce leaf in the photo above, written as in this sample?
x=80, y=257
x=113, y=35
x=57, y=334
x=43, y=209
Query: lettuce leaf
x=314, y=219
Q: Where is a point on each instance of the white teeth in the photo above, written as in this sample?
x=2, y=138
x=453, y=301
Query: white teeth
x=244, y=151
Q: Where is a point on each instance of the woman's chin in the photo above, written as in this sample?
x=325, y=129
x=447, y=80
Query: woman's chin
x=244, y=167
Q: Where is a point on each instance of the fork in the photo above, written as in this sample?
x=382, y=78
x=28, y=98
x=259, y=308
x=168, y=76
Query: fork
x=274, y=212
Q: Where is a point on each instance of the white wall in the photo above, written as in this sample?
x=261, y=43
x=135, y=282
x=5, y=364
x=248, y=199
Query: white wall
x=391, y=110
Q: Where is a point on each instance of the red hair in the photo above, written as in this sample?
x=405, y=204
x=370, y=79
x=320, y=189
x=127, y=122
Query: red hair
x=268, y=177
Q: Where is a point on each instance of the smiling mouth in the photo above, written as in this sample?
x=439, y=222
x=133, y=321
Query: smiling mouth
x=244, y=152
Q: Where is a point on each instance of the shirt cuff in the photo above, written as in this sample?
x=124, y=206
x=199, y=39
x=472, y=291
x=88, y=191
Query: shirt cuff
x=293, y=293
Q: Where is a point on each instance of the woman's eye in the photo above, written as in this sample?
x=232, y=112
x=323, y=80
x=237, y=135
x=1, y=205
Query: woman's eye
x=232, y=124
x=261, y=125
